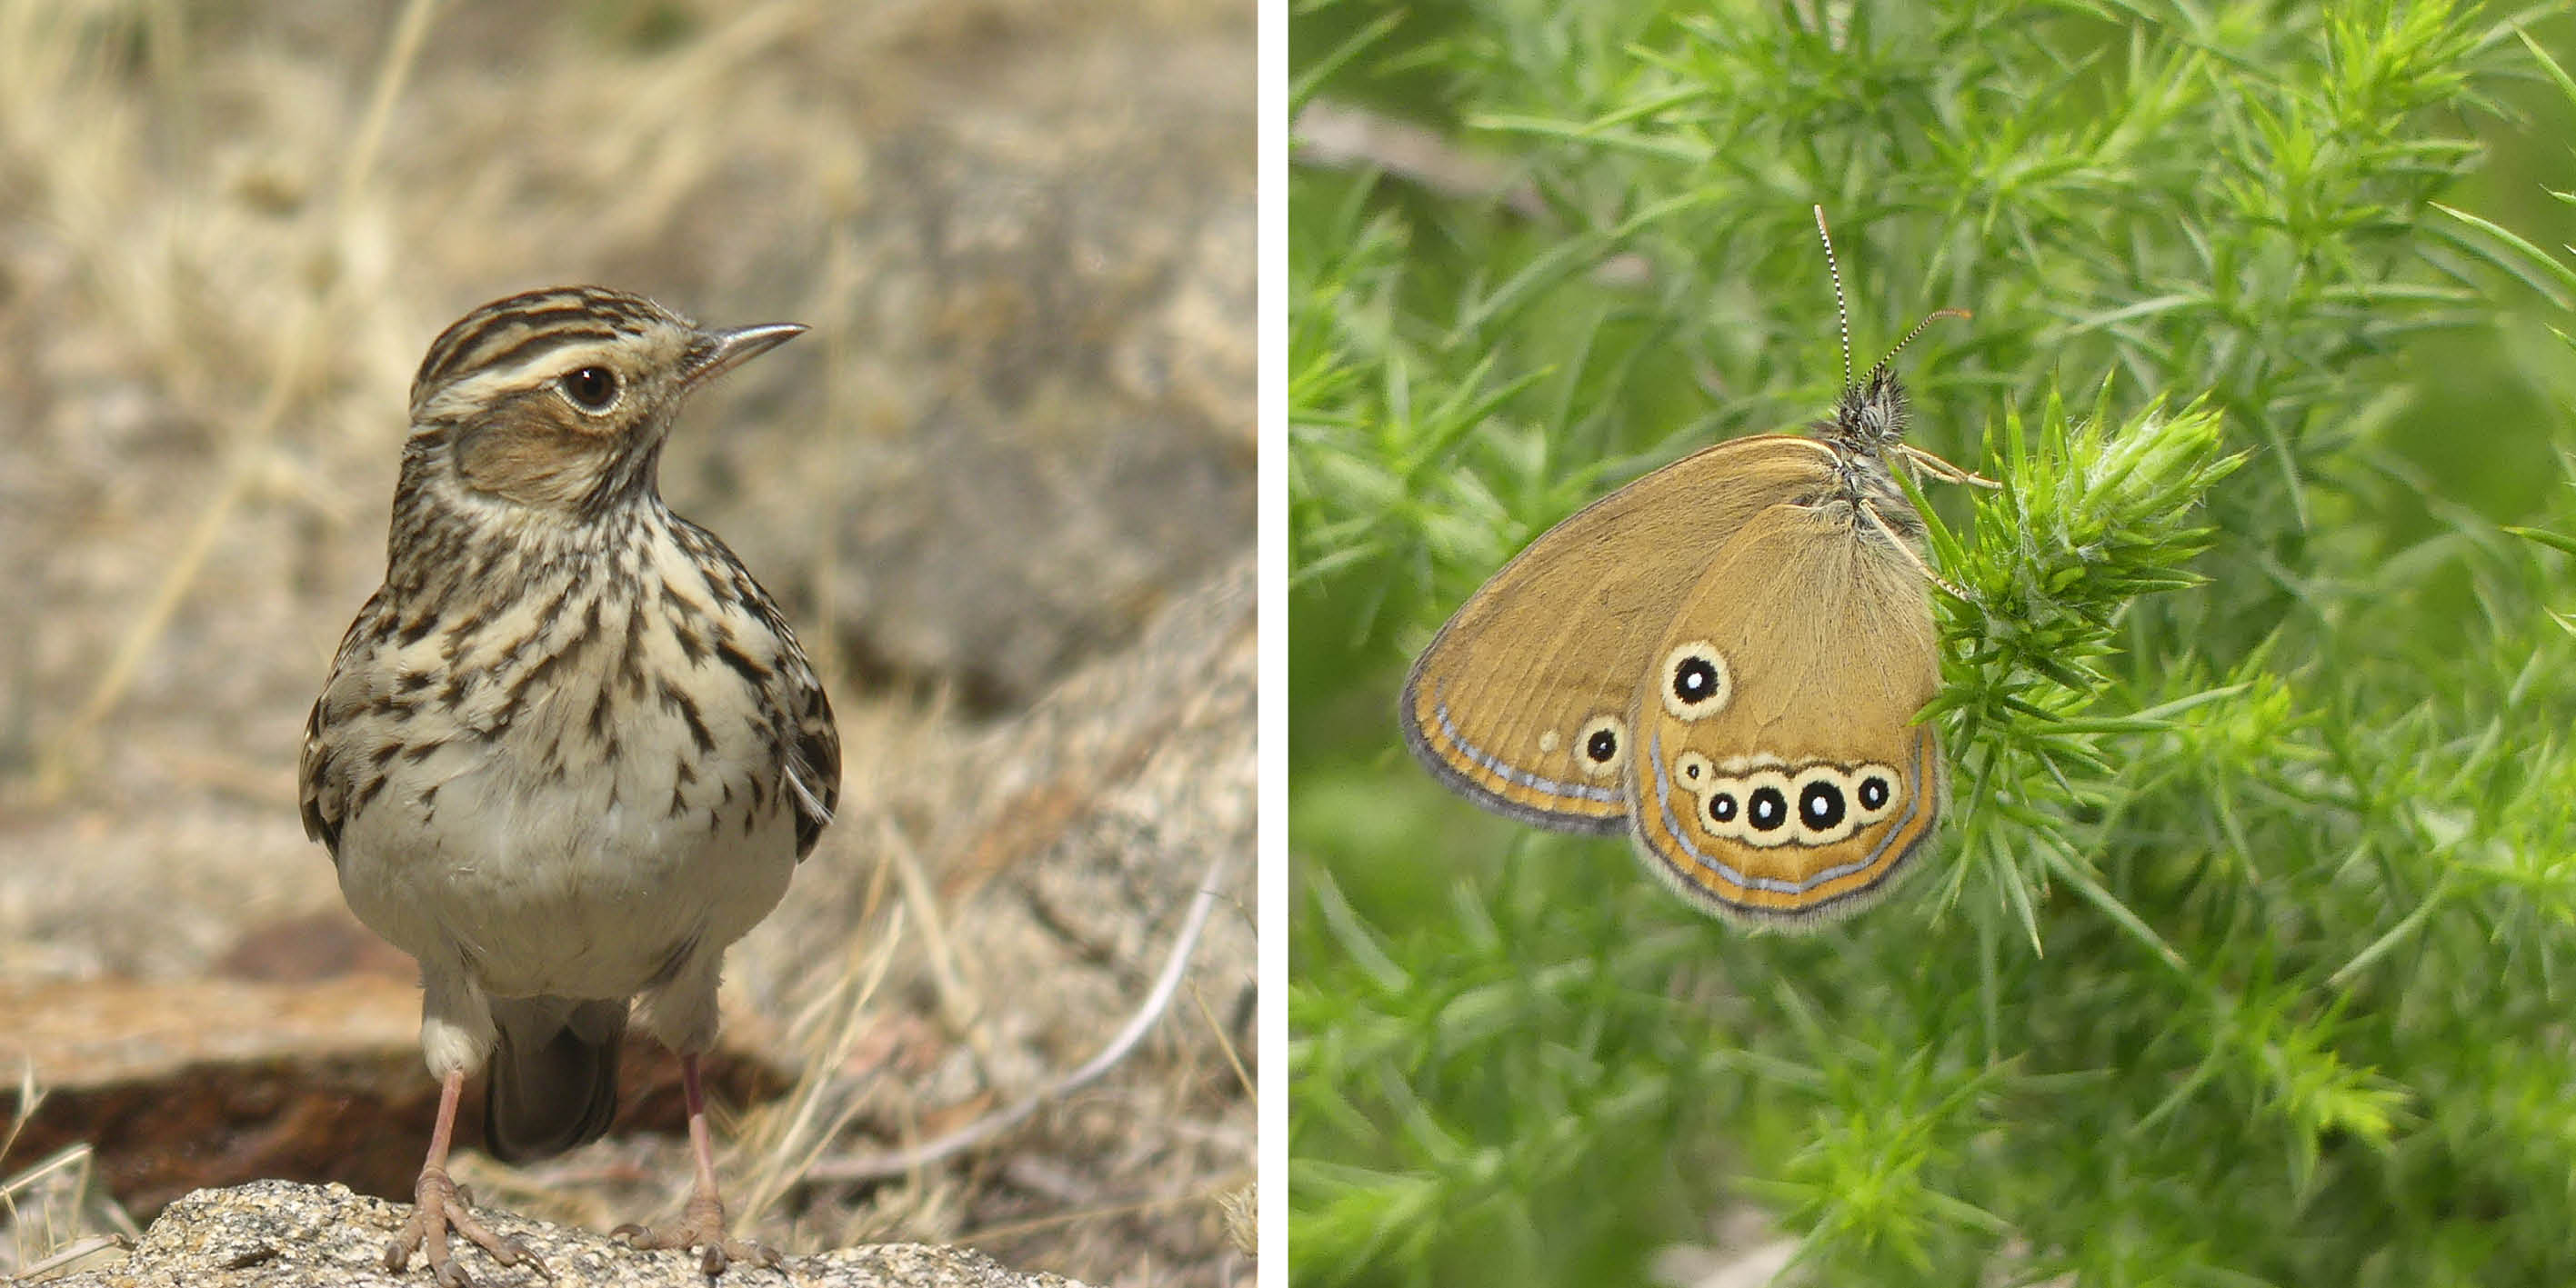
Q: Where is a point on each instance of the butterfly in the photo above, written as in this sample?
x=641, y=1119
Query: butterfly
x=1724, y=659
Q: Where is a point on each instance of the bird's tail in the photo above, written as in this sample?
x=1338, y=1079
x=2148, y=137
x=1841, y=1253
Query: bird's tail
x=553, y=1078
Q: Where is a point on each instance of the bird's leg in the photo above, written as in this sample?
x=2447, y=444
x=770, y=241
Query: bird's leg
x=437, y=1209
x=702, y=1223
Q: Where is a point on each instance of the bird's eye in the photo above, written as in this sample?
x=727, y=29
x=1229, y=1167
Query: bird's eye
x=591, y=388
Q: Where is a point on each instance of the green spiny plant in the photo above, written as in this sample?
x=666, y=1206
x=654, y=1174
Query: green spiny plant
x=2239, y=959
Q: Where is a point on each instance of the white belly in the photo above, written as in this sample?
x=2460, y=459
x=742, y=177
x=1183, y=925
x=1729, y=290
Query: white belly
x=558, y=891
x=563, y=853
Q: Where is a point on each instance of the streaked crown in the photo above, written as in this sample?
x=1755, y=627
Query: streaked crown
x=529, y=331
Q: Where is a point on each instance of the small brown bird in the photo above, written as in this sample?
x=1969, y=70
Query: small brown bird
x=570, y=750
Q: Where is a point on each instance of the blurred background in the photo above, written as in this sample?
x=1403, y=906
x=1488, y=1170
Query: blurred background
x=1004, y=490
x=2243, y=955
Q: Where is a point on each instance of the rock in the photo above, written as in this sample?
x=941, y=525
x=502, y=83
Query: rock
x=278, y=1234
x=1029, y=426
x=1062, y=849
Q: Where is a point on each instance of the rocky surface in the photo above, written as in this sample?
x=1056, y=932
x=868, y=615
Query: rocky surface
x=277, y=1234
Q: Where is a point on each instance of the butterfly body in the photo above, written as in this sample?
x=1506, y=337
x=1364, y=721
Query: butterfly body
x=1724, y=659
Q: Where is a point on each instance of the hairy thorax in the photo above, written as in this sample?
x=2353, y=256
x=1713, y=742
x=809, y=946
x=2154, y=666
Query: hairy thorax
x=575, y=752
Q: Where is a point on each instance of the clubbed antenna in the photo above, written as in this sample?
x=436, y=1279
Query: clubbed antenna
x=1842, y=315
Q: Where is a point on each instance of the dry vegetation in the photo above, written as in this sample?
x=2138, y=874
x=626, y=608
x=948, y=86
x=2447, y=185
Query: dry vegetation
x=1004, y=490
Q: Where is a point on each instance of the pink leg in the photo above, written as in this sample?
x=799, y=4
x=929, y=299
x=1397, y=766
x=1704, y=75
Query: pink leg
x=702, y=1224
x=437, y=1209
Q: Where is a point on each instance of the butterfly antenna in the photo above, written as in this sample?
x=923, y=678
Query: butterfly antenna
x=1935, y=316
x=1842, y=315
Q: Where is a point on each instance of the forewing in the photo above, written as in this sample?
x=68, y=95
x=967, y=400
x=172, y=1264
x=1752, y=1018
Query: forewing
x=1522, y=702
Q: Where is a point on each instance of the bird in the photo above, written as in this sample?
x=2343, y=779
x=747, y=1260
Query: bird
x=570, y=750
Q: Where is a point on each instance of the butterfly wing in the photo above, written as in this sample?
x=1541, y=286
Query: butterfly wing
x=1522, y=702
x=1780, y=776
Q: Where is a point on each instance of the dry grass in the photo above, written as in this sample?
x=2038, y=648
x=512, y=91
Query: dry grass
x=225, y=238
x=56, y=1213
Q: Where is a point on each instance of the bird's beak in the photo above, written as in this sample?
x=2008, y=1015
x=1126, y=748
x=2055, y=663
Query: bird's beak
x=717, y=352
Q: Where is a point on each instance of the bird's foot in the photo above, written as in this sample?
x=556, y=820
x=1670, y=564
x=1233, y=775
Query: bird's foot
x=702, y=1226
x=438, y=1207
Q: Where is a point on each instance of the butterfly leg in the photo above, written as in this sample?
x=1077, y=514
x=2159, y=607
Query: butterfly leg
x=1941, y=469
x=1870, y=512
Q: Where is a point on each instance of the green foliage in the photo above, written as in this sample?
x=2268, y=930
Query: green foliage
x=2239, y=958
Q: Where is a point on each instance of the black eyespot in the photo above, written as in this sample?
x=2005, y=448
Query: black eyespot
x=1820, y=805
x=1694, y=680
x=591, y=388
x=1873, y=792
x=1721, y=807
x=1691, y=771
x=1601, y=747
x=1768, y=808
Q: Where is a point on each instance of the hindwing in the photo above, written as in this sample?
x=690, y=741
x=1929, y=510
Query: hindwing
x=1780, y=774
